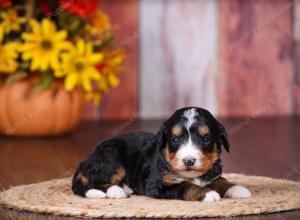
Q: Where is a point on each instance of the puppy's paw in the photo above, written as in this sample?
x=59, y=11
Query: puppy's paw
x=115, y=192
x=211, y=196
x=238, y=192
x=95, y=194
x=127, y=189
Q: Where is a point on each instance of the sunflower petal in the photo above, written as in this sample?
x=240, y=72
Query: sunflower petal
x=34, y=64
x=86, y=83
x=59, y=73
x=103, y=85
x=35, y=26
x=48, y=27
x=80, y=46
x=65, y=45
x=94, y=74
x=1, y=33
x=113, y=80
x=54, y=62
x=95, y=58
x=60, y=35
x=71, y=81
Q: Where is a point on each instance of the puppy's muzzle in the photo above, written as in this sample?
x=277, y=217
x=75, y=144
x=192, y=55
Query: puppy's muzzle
x=189, y=162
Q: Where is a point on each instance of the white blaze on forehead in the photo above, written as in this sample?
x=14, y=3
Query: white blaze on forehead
x=190, y=116
x=188, y=149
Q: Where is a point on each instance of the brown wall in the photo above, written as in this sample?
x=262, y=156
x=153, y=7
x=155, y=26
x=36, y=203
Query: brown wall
x=234, y=57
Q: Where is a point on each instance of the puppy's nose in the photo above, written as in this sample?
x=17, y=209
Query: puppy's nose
x=188, y=162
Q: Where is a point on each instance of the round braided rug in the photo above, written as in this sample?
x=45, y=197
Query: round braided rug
x=55, y=197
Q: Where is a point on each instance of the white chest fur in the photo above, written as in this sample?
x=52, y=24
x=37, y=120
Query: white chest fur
x=199, y=182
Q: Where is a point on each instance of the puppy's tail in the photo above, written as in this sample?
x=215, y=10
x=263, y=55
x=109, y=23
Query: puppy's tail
x=80, y=183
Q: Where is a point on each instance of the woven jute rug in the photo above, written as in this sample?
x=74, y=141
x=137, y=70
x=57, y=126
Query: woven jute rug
x=55, y=197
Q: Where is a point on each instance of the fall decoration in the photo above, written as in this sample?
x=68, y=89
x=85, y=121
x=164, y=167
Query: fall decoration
x=51, y=43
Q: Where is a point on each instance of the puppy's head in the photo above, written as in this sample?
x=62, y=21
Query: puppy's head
x=192, y=140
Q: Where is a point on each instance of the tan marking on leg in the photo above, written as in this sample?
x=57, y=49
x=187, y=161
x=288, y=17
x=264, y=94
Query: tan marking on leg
x=83, y=179
x=203, y=129
x=171, y=179
x=221, y=185
x=195, y=193
x=118, y=177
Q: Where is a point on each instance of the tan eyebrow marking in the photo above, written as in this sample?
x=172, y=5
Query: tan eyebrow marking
x=203, y=129
x=177, y=130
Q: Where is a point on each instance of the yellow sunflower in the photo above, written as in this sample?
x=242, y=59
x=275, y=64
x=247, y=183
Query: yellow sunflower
x=78, y=65
x=94, y=96
x=44, y=45
x=11, y=21
x=110, y=66
x=9, y=55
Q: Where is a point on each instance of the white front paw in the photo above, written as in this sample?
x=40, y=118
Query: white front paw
x=238, y=192
x=211, y=196
x=115, y=192
x=95, y=194
x=127, y=189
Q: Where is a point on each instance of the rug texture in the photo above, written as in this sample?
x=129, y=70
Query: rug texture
x=55, y=197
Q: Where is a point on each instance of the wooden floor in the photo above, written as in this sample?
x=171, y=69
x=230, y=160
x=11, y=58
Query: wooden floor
x=268, y=147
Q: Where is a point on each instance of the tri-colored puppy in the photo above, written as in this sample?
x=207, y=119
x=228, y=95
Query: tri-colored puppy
x=181, y=161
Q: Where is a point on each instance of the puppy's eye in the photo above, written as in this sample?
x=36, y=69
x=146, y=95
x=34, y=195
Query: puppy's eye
x=205, y=140
x=174, y=139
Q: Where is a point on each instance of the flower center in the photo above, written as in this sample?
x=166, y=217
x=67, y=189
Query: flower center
x=46, y=44
x=79, y=66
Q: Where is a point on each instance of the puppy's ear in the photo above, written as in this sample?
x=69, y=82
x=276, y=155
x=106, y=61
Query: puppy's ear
x=161, y=137
x=223, y=138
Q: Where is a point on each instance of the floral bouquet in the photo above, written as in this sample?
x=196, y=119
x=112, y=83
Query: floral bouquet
x=48, y=48
x=67, y=40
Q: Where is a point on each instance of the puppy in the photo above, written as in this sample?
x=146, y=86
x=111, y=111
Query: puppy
x=182, y=161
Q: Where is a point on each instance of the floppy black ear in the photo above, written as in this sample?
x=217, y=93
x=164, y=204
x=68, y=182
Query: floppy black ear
x=223, y=137
x=161, y=137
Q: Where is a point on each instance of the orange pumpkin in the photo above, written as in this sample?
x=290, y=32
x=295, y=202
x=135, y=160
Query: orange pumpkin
x=28, y=111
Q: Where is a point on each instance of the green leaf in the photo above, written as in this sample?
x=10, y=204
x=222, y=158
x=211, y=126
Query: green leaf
x=72, y=23
x=12, y=78
x=46, y=81
x=106, y=41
